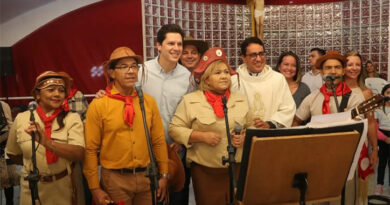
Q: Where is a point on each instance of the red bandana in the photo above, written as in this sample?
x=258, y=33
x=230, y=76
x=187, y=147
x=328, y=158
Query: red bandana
x=128, y=114
x=48, y=121
x=341, y=89
x=65, y=106
x=216, y=102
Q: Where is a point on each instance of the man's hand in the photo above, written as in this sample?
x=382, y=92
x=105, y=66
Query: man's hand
x=258, y=123
x=100, y=94
x=177, y=147
x=100, y=197
x=162, y=190
x=373, y=158
x=211, y=138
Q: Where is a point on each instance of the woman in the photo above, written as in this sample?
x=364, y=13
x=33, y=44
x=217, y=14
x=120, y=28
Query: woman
x=353, y=79
x=289, y=66
x=372, y=79
x=199, y=124
x=60, y=141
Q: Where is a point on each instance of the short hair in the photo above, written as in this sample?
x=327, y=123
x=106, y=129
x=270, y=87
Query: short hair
x=362, y=72
x=203, y=85
x=319, y=50
x=298, y=75
x=248, y=41
x=169, y=28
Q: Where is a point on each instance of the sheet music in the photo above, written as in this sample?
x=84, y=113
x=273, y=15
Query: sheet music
x=343, y=118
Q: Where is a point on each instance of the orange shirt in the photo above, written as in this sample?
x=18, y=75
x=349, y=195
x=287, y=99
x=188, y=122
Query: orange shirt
x=120, y=145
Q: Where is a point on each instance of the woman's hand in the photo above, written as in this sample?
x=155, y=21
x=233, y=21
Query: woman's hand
x=373, y=158
x=40, y=135
x=237, y=140
x=100, y=94
x=211, y=138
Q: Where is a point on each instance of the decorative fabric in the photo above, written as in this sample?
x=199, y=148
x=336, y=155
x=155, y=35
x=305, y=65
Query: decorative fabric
x=341, y=89
x=216, y=102
x=48, y=121
x=128, y=114
x=65, y=106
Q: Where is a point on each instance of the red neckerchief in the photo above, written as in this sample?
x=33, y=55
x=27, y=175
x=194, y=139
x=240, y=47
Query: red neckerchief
x=48, y=121
x=341, y=89
x=65, y=106
x=216, y=102
x=128, y=114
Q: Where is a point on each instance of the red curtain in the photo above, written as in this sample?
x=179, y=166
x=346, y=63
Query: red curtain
x=76, y=43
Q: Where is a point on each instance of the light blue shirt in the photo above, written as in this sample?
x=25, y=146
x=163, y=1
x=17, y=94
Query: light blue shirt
x=166, y=88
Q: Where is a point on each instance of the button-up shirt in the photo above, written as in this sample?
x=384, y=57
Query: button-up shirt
x=166, y=88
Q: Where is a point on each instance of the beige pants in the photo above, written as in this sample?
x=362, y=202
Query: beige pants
x=127, y=187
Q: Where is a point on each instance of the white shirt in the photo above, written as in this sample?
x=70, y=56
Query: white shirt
x=313, y=81
x=166, y=88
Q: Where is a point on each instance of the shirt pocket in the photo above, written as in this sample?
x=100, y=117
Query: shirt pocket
x=204, y=123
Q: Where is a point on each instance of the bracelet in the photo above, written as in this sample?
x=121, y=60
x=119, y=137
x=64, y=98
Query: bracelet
x=165, y=176
x=375, y=148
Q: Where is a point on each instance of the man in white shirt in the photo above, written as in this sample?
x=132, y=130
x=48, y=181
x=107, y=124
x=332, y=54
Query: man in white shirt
x=313, y=78
x=270, y=100
x=167, y=81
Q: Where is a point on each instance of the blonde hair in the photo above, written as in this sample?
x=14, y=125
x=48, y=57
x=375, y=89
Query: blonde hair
x=361, y=76
x=203, y=85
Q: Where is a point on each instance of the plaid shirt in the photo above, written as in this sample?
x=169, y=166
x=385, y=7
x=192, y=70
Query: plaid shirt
x=79, y=104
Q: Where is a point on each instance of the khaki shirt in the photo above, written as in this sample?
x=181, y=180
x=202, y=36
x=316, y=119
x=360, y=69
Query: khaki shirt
x=195, y=113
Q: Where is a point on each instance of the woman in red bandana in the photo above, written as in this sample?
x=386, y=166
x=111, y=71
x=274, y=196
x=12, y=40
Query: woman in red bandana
x=60, y=137
x=199, y=124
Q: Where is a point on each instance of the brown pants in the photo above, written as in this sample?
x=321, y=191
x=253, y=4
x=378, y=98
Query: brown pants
x=127, y=187
x=211, y=185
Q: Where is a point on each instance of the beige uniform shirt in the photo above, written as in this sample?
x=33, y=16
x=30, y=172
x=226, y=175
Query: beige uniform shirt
x=312, y=104
x=195, y=113
x=19, y=143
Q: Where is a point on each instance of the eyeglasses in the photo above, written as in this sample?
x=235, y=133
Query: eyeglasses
x=254, y=55
x=126, y=68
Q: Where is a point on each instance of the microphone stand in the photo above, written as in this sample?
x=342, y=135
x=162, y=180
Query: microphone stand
x=231, y=152
x=334, y=95
x=151, y=169
x=33, y=177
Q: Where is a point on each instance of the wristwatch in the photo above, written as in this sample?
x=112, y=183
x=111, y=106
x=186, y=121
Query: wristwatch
x=165, y=176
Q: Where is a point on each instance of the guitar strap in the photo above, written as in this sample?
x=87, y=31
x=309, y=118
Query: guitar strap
x=344, y=101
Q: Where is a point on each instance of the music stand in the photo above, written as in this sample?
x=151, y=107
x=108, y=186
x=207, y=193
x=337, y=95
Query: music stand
x=271, y=158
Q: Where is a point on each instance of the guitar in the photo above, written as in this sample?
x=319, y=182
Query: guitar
x=373, y=103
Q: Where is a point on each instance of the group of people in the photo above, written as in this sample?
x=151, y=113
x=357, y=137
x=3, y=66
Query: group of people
x=184, y=92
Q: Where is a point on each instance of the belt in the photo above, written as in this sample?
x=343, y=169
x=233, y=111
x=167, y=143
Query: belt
x=140, y=169
x=54, y=177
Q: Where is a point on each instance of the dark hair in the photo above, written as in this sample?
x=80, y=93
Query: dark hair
x=319, y=50
x=387, y=86
x=297, y=76
x=168, y=28
x=248, y=41
x=60, y=119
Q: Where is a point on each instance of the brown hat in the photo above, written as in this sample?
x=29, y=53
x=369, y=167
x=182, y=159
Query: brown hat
x=330, y=55
x=118, y=53
x=202, y=46
x=49, y=78
x=176, y=171
x=211, y=55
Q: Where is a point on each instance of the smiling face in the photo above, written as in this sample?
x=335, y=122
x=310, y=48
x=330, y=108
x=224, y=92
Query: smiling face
x=125, y=74
x=288, y=67
x=171, y=48
x=190, y=57
x=354, y=67
x=254, y=58
x=51, y=97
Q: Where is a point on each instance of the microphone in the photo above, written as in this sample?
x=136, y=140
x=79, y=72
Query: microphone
x=237, y=129
x=32, y=106
x=330, y=77
x=138, y=88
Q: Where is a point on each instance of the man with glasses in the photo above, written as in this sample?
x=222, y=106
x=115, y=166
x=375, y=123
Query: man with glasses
x=269, y=97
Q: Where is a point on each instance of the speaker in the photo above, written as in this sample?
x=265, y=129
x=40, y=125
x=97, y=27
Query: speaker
x=6, y=61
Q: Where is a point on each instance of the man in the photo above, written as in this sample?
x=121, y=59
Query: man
x=114, y=125
x=313, y=78
x=192, y=51
x=321, y=101
x=167, y=81
x=270, y=100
